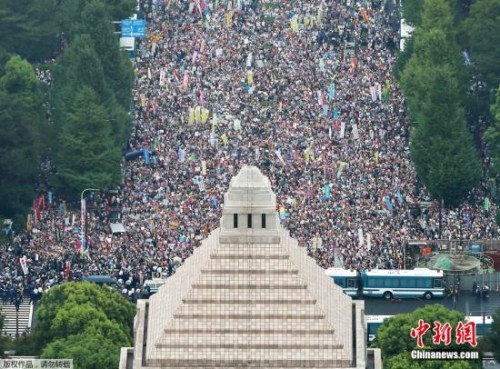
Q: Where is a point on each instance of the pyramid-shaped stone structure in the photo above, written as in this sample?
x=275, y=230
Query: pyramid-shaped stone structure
x=249, y=297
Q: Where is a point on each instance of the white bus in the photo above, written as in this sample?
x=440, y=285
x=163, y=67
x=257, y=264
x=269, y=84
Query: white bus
x=390, y=283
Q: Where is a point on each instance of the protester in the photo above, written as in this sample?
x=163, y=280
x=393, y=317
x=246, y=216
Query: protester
x=303, y=90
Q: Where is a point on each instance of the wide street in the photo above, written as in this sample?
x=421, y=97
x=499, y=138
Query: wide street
x=465, y=302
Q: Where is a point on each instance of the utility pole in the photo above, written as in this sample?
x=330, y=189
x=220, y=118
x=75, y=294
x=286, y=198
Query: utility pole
x=18, y=305
x=441, y=219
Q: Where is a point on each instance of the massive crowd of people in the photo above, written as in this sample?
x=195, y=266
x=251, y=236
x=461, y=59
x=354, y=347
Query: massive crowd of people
x=303, y=90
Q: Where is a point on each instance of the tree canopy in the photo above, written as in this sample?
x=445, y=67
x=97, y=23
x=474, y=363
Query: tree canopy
x=88, y=351
x=49, y=121
x=74, y=15
x=88, y=155
x=492, y=136
x=492, y=339
x=412, y=11
x=22, y=123
x=85, y=322
x=441, y=146
x=482, y=37
x=29, y=28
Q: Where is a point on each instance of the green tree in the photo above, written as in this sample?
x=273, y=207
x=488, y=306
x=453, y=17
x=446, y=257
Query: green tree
x=396, y=344
x=492, y=136
x=62, y=301
x=491, y=340
x=412, y=11
x=29, y=27
x=82, y=65
x=88, y=351
x=437, y=14
x=73, y=16
x=25, y=345
x=79, y=66
x=482, y=36
x=22, y=121
x=117, y=68
x=87, y=156
x=441, y=146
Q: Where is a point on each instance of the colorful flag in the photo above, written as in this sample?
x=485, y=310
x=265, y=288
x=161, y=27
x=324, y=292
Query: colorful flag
x=388, y=203
x=204, y=115
x=249, y=77
x=342, y=130
x=373, y=93
x=331, y=92
x=191, y=116
x=24, y=265
x=487, y=204
x=68, y=269
x=83, y=219
x=326, y=191
x=360, y=237
x=340, y=170
x=336, y=114
x=355, y=132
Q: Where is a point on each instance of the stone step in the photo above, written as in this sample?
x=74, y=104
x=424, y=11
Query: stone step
x=248, y=264
x=257, y=309
x=250, y=324
x=253, y=248
x=8, y=311
x=224, y=357
x=249, y=346
x=234, y=271
x=242, y=286
x=254, y=279
x=238, y=256
x=254, y=340
x=248, y=301
x=273, y=294
x=200, y=316
x=250, y=331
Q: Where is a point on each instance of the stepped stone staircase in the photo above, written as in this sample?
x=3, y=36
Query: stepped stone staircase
x=8, y=312
x=249, y=307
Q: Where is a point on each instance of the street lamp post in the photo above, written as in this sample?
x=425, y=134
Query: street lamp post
x=83, y=218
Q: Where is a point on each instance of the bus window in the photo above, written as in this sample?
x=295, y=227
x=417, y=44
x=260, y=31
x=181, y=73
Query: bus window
x=339, y=281
x=438, y=283
x=407, y=283
x=391, y=282
x=351, y=283
x=421, y=283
